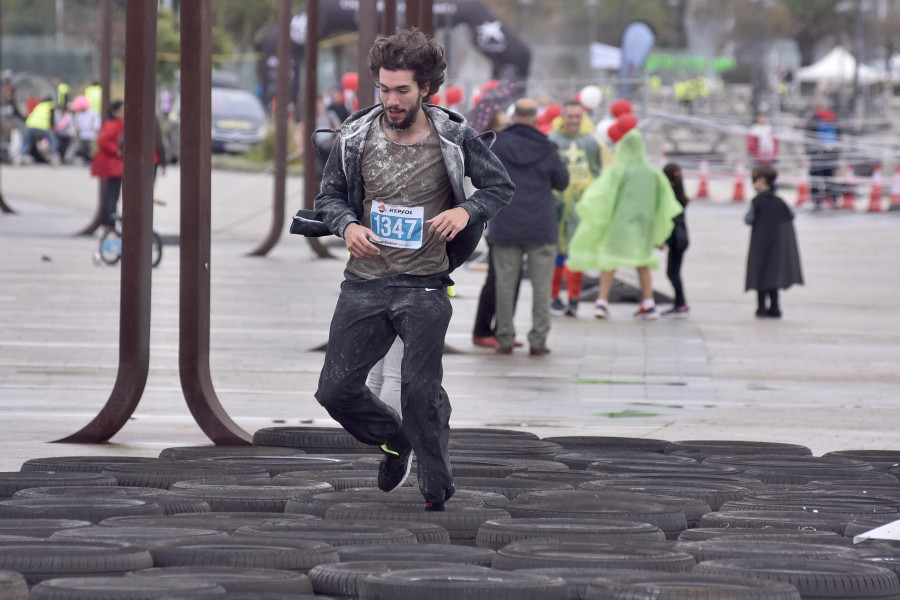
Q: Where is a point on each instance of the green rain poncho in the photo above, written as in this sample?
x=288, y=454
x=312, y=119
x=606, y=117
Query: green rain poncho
x=624, y=213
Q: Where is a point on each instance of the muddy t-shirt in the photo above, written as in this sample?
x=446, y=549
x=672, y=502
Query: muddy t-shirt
x=405, y=186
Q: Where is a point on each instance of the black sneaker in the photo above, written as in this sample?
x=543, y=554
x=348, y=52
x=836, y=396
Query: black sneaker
x=394, y=468
x=557, y=307
x=434, y=506
x=572, y=309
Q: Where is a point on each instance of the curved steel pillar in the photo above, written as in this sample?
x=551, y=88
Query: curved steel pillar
x=137, y=221
x=196, y=144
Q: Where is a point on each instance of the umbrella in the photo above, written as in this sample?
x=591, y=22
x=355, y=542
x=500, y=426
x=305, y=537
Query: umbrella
x=494, y=99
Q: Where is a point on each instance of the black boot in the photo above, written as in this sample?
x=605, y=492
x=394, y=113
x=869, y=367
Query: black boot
x=774, y=311
x=761, y=305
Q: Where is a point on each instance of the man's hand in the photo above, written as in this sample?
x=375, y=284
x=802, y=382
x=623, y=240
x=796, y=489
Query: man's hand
x=357, y=239
x=449, y=223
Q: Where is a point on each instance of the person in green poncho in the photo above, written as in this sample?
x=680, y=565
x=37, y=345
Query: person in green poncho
x=624, y=214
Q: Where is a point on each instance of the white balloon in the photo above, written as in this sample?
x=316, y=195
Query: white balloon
x=603, y=126
x=591, y=96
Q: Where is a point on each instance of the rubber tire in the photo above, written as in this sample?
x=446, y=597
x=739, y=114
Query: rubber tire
x=719, y=549
x=335, y=533
x=170, y=503
x=453, y=554
x=12, y=482
x=790, y=470
x=342, y=579
x=778, y=519
x=318, y=438
x=676, y=586
x=227, y=522
x=582, y=460
x=115, y=588
x=770, y=533
x=338, y=480
x=714, y=494
x=496, y=534
x=93, y=510
x=235, y=580
x=705, y=448
x=138, y=535
x=814, y=579
x=246, y=498
x=79, y=464
x=46, y=559
x=201, y=452
x=519, y=448
x=163, y=473
x=460, y=520
x=511, y=488
x=39, y=528
x=455, y=582
x=598, y=505
x=276, y=465
x=13, y=586
x=587, y=443
x=299, y=555
x=534, y=554
x=318, y=504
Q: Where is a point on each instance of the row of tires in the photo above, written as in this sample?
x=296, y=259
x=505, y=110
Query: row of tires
x=589, y=517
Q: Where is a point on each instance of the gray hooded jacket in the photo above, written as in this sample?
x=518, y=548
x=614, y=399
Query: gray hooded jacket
x=340, y=200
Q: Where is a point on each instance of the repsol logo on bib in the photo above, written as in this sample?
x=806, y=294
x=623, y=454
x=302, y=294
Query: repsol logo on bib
x=394, y=210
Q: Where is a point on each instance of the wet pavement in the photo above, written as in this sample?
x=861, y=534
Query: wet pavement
x=827, y=375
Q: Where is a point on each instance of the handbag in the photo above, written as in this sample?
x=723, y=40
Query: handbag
x=750, y=217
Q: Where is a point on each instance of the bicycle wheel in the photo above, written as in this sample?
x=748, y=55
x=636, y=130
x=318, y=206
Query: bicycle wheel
x=156, y=250
x=111, y=247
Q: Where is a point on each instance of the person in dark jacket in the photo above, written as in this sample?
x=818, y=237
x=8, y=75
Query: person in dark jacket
x=773, y=262
x=528, y=227
x=678, y=244
x=393, y=189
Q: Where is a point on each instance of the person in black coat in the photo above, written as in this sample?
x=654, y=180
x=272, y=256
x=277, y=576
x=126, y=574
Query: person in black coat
x=678, y=244
x=527, y=227
x=773, y=261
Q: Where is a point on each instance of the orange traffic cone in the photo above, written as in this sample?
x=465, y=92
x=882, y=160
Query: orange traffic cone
x=739, y=176
x=875, y=196
x=703, y=190
x=803, y=185
x=895, y=190
x=849, y=195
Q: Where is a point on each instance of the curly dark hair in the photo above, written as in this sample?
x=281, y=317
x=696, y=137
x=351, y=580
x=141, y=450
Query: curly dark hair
x=410, y=50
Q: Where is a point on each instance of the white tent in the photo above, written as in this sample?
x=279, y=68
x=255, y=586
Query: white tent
x=837, y=67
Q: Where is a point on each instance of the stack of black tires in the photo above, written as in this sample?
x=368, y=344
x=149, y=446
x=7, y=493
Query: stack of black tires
x=298, y=515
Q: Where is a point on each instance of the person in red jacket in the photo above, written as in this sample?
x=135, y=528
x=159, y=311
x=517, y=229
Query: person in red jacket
x=107, y=163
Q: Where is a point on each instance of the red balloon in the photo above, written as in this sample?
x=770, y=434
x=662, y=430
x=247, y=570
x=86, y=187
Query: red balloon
x=454, y=94
x=553, y=111
x=476, y=98
x=620, y=107
x=626, y=123
x=436, y=98
x=350, y=81
x=614, y=133
x=489, y=85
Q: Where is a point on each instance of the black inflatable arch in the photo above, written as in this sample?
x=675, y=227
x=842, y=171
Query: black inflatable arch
x=509, y=55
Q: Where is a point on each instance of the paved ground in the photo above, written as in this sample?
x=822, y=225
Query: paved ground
x=826, y=375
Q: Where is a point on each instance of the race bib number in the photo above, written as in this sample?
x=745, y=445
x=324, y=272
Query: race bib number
x=398, y=226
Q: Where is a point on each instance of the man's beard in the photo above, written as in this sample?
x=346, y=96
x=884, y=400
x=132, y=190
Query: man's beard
x=410, y=118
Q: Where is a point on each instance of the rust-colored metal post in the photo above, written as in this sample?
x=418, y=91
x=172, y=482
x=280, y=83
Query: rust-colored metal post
x=137, y=221
x=196, y=186
x=389, y=17
x=105, y=77
x=413, y=13
x=310, y=91
x=368, y=31
x=4, y=207
x=282, y=99
x=426, y=16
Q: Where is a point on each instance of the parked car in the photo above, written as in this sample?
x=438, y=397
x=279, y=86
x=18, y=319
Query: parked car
x=239, y=122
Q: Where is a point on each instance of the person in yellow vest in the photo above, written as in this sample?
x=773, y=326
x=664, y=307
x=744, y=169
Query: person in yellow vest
x=38, y=126
x=94, y=93
x=62, y=91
